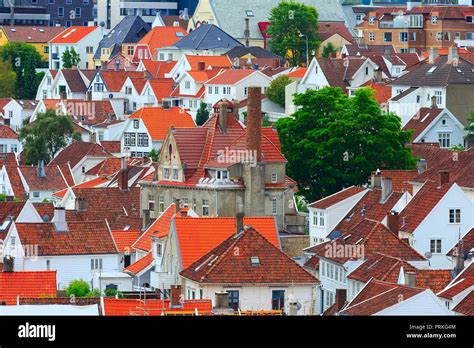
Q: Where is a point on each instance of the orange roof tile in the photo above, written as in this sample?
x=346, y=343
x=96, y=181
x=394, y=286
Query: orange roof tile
x=159, y=228
x=336, y=198
x=197, y=236
x=231, y=77
x=140, y=265
x=26, y=284
x=161, y=87
x=72, y=35
x=298, y=73
x=160, y=37
x=466, y=306
x=7, y=133
x=213, y=61
x=125, y=239
x=153, y=307
x=158, y=121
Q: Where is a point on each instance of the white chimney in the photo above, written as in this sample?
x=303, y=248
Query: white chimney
x=59, y=220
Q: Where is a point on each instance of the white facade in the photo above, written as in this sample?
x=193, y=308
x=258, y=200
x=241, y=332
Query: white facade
x=10, y=145
x=17, y=113
x=424, y=303
x=137, y=139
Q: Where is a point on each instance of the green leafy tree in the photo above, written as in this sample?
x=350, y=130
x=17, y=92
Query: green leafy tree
x=46, y=136
x=7, y=80
x=70, y=58
x=113, y=293
x=202, y=114
x=328, y=50
x=334, y=141
x=276, y=90
x=78, y=288
x=291, y=23
x=24, y=59
x=154, y=154
x=470, y=126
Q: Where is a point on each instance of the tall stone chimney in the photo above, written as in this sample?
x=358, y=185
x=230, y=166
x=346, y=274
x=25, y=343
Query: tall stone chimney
x=223, y=116
x=40, y=170
x=386, y=189
x=341, y=295
x=443, y=177
x=393, y=221
x=254, y=121
x=175, y=296
x=123, y=175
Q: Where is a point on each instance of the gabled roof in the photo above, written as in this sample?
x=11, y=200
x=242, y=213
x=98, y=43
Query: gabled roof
x=466, y=306
x=52, y=181
x=378, y=295
x=400, y=179
x=153, y=307
x=158, y=69
x=421, y=121
x=209, y=61
x=158, y=121
x=207, y=37
x=8, y=159
x=197, y=236
x=114, y=80
x=159, y=37
x=124, y=240
x=337, y=197
x=254, y=51
x=7, y=133
x=112, y=146
x=463, y=281
x=328, y=29
x=32, y=284
x=421, y=205
x=74, y=80
x=297, y=73
x=162, y=87
x=467, y=243
x=459, y=164
x=231, y=77
x=257, y=261
x=159, y=229
x=31, y=34
x=75, y=152
x=130, y=29
x=383, y=92
x=72, y=35
x=140, y=265
x=82, y=238
x=430, y=152
x=356, y=49
x=373, y=236
x=338, y=72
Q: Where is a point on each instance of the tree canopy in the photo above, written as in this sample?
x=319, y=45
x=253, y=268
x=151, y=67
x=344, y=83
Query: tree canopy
x=328, y=50
x=24, y=59
x=334, y=141
x=276, y=91
x=202, y=114
x=47, y=135
x=7, y=80
x=291, y=24
x=70, y=58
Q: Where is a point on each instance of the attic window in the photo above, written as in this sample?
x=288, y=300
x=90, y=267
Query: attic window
x=255, y=260
x=5, y=224
x=249, y=13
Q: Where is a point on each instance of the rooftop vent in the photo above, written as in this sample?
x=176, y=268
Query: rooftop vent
x=255, y=260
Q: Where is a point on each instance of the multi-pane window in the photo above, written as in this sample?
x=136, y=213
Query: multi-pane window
x=161, y=204
x=444, y=140
x=372, y=20
x=96, y=264
x=175, y=174
x=274, y=206
x=403, y=36
x=454, y=216
x=439, y=36
x=187, y=84
x=216, y=90
x=371, y=36
x=278, y=299
x=434, y=20
x=233, y=299
x=209, y=90
x=274, y=178
x=387, y=37
x=439, y=97
x=151, y=203
x=142, y=139
x=130, y=50
x=130, y=139
x=205, y=207
x=435, y=246
x=318, y=218
x=166, y=173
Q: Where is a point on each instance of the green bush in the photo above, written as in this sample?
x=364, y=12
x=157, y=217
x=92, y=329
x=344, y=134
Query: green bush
x=78, y=288
x=112, y=293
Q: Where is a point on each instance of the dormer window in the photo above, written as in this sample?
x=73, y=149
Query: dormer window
x=136, y=124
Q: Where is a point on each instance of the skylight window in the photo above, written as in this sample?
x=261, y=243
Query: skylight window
x=433, y=68
x=249, y=13
x=5, y=224
x=255, y=260
x=179, y=34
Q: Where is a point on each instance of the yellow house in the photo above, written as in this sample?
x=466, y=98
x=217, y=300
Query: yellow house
x=37, y=36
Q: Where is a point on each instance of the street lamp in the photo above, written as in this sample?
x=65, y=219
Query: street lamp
x=307, y=49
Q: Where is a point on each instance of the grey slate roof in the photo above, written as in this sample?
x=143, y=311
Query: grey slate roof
x=404, y=93
x=207, y=36
x=230, y=15
x=257, y=52
x=444, y=74
x=130, y=29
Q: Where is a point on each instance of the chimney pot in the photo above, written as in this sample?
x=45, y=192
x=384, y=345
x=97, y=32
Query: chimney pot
x=40, y=171
x=341, y=295
x=443, y=177
x=393, y=221
x=59, y=219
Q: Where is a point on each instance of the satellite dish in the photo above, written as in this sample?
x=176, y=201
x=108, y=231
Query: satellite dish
x=428, y=255
x=111, y=96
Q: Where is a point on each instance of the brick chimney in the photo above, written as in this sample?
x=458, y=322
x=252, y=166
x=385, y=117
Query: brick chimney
x=123, y=175
x=254, y=121
x=175, y=296
x=223, y=116
x=239, y=221
x=341, y=295
x=443, y=177
x=201, y=66
x=433, y=103
x=393, y=221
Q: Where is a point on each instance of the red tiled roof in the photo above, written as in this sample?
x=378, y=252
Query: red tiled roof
x=53, y=181
x=197, y=236
x=82, y=238
x=209, y=61
x=336, y=197
x=224, y=266
x=298, y=73
x=400, y=179
x=67, y=174
x=202, y=76
x=463, y=281
x=466, y=306
x=328, y=29
x=26, y=284
x=158, y=120
x=112, y=146
x=108, y=166
x=159, y=228
x=431, y=152
x=114, y=80
x=7, y=133
x=421, y=120
x=421, y=205
x=159, y=37
x=373, y=236
x=377, y=296
x=72, y=35
x=467, y=243
x=140, y=265
x=383, y=92
x=161, y=87
x=128, y=223
x=158, y=69
x=230, y=77
x=153, y=307
x=125, y=239
x=313, y=263
x=8, y=159
x=15, y=180
x=86, y=184
x=75, y=152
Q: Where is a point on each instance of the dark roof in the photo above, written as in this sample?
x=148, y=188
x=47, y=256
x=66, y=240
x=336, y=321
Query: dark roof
x=328, y=29
x=74, y=80
x=354, y=49
x=422, y=120
x=207, y=36
x=255, y=51
x=404, y=93
x=437, y=74
x=130, y=29
x=75, y=152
